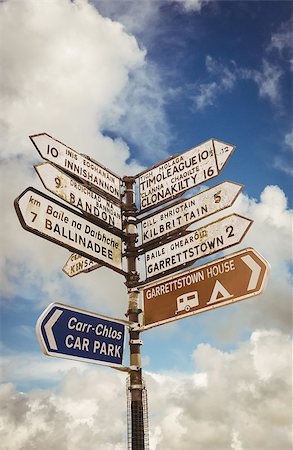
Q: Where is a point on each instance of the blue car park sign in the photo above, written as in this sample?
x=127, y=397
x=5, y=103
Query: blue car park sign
x=67, y=332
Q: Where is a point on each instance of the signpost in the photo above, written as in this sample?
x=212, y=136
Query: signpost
x=77, y=264
x=95, y=236
x=51, y=220
x=67, y=332
x=79, y=195
x=75, y=163
x=226, y=280
x=196, y=244
x=185, y=212
x=176, y=175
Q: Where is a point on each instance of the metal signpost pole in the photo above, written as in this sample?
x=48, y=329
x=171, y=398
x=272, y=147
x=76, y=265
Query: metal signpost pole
x=136, y=383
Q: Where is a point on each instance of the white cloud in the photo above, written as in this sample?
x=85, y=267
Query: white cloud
x=86, y=412
x=224, y=79
x=144, y=121
x=70, y=72
x=206, y=96
x=192, y=5
x=207, y=93
x=282, y=41
x=289, y=140
x=239, y=400
x=236, y=444
x=284, y=165
x=58, y=81
x=238, y=408
x=271, y=236
x=284, y=160
x=267, y=80
x=138, y=18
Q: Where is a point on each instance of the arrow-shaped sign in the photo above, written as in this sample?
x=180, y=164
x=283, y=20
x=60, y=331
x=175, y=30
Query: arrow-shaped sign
x=72, y=333
x=77, y=264
x=78, y=195
x=66, y=158
x=51, y=220
x=48, y=329
x=172, y=177
x=226, y=280
x=185, y=212
x=196, y=244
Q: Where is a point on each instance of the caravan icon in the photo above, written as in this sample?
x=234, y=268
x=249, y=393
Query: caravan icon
x=187, y=301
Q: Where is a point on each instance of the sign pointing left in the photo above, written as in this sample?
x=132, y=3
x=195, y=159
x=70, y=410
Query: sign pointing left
x=77, y=264
x=68, y=332
x=78, y=195
x=55, y=222
x=75, y=163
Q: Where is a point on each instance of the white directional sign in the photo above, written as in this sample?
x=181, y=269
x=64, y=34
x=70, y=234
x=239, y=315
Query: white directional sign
x=223, y=281
x=51, y=220
x=67, y=332
x=77, y=264
x=73, y=162
x=77, y=194
x=196, y=244
x=185, y=212
x=172, y=177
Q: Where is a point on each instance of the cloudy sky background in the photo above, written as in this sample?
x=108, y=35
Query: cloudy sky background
x=130, y=83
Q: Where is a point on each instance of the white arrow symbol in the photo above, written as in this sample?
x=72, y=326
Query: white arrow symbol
x=255, y=269
x=48, y=328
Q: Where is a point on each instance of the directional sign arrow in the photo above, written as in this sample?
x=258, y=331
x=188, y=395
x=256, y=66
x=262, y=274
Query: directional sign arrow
x=77, y=264
x=226, y=280
x=79, y=195
x=67, y=332
x=83, y=167
x=172, y=177
x=57, y=223
x=196, y=244
x=185, y=212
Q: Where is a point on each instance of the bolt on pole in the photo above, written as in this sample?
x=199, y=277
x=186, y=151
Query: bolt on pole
x=136, y=383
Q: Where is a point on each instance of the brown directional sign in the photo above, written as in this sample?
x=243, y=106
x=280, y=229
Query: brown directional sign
x=170, y=178
x=57, y=223
x=226, y=280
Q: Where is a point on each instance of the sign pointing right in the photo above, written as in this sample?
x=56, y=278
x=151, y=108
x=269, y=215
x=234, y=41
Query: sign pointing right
x=172, y=177
x=196, y=244
x=185, y=212
x=226, y=280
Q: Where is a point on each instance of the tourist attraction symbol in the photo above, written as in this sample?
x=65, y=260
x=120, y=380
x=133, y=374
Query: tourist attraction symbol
x=76, y=164
x=172, y=177
x=79, y=195
x=56, y=222
x=196, y=244
x=226, y=280
x=68, y=332
x=77, y=264
x=183, y=213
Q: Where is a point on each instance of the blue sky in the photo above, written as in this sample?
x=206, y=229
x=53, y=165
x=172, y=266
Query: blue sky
x=131, y=83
